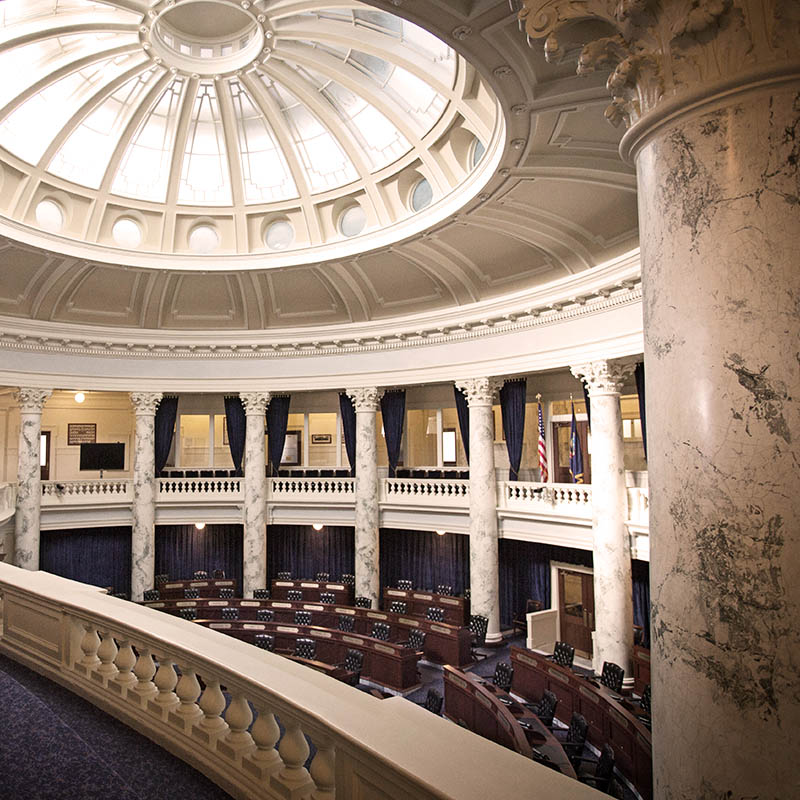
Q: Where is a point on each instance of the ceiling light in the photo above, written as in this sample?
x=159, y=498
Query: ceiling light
x=79, y=397
x=199, y=525
x=317, y=526
x=441, y=533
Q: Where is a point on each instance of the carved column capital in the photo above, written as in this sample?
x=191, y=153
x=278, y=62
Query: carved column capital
x=365, y=399
x=31, y=401
x=145, y=403
x=480, y=391
x=255, y=403
x=603, y=377
x=666, y=48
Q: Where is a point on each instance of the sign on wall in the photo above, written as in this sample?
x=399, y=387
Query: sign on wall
x=81, y=433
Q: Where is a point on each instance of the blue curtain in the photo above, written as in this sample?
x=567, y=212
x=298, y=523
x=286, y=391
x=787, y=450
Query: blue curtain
x=164, y=428
x=277, y=421
x=99, y=556
x=236, y=422
x=462, y=409
x=393, y=411
x=304, y=552
x=588, y=402
x=639, y=376
x=512, y=406
x=640, y=570
x=425, y=558
x=348, y=413
x=182, y=549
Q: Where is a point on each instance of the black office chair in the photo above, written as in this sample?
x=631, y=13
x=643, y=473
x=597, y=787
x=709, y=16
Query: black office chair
x=645, y=701
x=433, y=702
x=416, y=640
x=346, y=623
x=226, y=592
x=294, y=595
x=191, y=593
x=363, y=602
x=161, y=579
x=151, y=594
x=265, y=615
x=302, y=617
x=353, y=662
x=348, y=579
x=305, y=648
x=545, y=709
x=444, y=588
x=323, y=576
x=261, y=594
x=563, y=654
x=230, y=613
x=188, y=613
x=284, y=576
x=380, y=630
x=200, y=575
x=601, y=776
x=612, y=676
x=266, y=641
x=435, y=614
x=327, y=597
x=575, y=739
x=478, y=626
x=503, y=675
x=218, y=574
x=398, y=607
x=405, y=584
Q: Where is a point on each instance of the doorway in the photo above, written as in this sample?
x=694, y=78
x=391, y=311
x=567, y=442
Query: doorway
x=576, y=609
x=44, y=455
x=562, y=432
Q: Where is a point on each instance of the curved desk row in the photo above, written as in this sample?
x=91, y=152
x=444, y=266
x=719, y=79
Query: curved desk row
x=342, y=592
x=418, y=601
x=444, y=644
x=611, y=719
x=472, y=701
x=207, y=587
x=386, y=663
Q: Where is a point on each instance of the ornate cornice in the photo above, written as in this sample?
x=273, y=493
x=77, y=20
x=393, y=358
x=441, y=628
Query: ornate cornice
x=664, y=48
x=480, y=391
x=145, y=403
x=31, y=401
x=603, y=377
x=365, y=399
x=255, y=403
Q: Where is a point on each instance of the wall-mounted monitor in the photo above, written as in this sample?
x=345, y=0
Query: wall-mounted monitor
x=103, y=456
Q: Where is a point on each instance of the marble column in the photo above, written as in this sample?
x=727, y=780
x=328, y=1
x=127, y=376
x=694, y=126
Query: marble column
x=255, y=493
x=367, y=532
x=29, y=482
x=613, y=635
x=711, y=92
x=143, y=532
x=483, y=546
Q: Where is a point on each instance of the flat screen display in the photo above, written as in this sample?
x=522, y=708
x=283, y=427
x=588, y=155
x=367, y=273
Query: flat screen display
x=103, y=456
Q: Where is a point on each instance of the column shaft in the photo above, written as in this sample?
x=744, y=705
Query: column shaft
x=255, y=494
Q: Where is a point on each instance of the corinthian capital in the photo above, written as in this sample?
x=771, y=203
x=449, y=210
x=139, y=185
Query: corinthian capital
x=145, y=402
x=31, y=401
x=665, y=48
x=364, y=399
x=479, y=391
x=603, y=377
x=255, y=403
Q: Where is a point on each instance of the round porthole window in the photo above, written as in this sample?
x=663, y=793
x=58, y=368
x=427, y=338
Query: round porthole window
x=127, y=233
x=279, y=235
x=352, y=221
x=422, y=195
x=49, y=216
x=203, y=239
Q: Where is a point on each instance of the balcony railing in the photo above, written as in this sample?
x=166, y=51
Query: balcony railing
x=222, y=704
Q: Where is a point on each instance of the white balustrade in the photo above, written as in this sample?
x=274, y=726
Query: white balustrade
x=314, y=490
x=102, y=491
x=191, y=490
x=439, y=492
x=562, y=500
x=103, y=649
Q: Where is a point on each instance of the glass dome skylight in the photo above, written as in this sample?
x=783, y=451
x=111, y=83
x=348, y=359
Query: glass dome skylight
x=232, y=111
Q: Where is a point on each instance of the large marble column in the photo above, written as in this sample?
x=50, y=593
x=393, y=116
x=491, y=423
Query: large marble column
x=143, y=532
x=255, y=493
x=711, y=91
x=613, y=636
x=367, y=532
x=483, y=546
x=29, y=488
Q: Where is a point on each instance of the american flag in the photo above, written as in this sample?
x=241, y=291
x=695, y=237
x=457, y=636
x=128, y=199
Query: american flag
x=542, y=449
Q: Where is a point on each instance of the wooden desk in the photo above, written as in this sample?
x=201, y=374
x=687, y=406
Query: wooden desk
x=641, y=668
x=208, y=587
x=611, y=720
x=342, y=592
x=331, y=670
x=444, y=644
x=491, y=713
x=456, y=609
x=386, y=663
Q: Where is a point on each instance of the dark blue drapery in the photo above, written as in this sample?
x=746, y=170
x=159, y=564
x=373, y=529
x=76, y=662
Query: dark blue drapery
x=277, y=421
x=393, y=411
x=640, y=571
x=424, y=558
x=304, y=552
x=164, y=428
x=99, y=556
x=462, y=409
x=512, y=406
x=348, y=413
x=182, y=549
x=236, y=423
x=639, y=376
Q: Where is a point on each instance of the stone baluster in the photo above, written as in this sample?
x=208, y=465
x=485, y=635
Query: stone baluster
x=90, y=644
x=613, y=635
x=107, y=652
x=238, y=742
x=29, y=481
x=212, y=704
x=266, y=733
x=367, y=532
x=144, y=494
x=293, y=780
x=323, y=770
x=483, y=543
x=144, y=671
x=166, y=680
x=125, y=661
x=255, y=493
x=188, y=691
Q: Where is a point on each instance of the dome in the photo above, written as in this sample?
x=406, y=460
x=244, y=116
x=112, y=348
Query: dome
x=220, y=134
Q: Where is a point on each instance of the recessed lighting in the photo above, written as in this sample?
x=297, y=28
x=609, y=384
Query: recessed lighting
x=199, y=525
x=79, y=397
x=317, y=526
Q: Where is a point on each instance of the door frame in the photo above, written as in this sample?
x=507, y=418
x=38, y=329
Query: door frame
x=49, y=465
x=555, y=566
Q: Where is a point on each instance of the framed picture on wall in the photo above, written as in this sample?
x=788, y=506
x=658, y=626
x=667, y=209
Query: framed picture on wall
x=321, y=438
x=81, y=433
x=292, y=448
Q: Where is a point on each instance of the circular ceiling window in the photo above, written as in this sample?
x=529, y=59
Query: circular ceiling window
x=203, y=239
x=49, y=216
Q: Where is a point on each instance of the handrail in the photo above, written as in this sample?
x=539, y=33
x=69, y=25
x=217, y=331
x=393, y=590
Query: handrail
x=122, y=657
